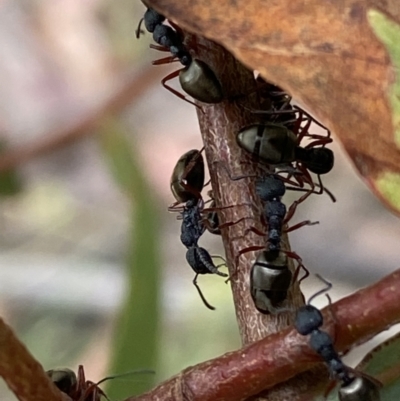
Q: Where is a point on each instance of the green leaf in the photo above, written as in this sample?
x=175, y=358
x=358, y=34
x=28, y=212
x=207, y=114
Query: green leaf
x=383, y=363
x=388, y=33
x=10, y=182
x=136, y=333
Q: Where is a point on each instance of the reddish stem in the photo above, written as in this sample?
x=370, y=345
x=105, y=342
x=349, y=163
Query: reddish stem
x=22, y=373
x=279, y=357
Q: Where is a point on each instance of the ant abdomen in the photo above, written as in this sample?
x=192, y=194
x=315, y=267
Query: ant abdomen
x=361, y=388
x=317, y=160
x=187, y=178
x=270, y=280
x=199, y=81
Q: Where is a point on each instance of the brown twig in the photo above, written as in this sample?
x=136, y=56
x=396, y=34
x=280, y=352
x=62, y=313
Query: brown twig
x=130, y=89
x=281, y=356
x=219, y=124
x=22, y=373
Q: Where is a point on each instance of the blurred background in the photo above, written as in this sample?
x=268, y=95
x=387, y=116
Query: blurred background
x=88, y=249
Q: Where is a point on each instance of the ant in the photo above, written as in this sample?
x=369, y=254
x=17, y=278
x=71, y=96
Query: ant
x=186, y=184
x=196, y=77
x=270, y=277
x=354, y=385
x=277, y=144
x=271, y=189
x=77, y=388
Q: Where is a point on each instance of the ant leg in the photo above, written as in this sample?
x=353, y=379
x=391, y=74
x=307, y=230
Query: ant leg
x=81, y=376
x=299, y=261
x=309, y=116
x=294, y=205
x=175, y=208
x=165, y=60
x=209, y=306
x=247, y=250
x=304, y=131
x=232, y=223
x=219, y=257
x=251, y=229
x=297, y=271
x=318, y=142
x=175, y=92
x=138, y=30
x=159, y=48
x=302, y=224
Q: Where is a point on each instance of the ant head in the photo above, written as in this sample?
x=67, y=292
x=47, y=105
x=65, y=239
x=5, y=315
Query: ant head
x=270, y=187
x=199, y=81
x=319, y=160
x=65, y=379
x=308, y=317
x=187, y=178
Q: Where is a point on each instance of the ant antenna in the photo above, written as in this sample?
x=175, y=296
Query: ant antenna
x=138, y=30
x=328, y=286
x=131, y=372
x=116, y=376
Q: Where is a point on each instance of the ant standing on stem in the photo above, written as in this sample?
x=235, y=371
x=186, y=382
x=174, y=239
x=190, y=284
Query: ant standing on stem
x=187, y=181
x=355, y=386
x=196, y=77
x=77, y=388
x=80, y=389
x=278, y=145
x=270, y=277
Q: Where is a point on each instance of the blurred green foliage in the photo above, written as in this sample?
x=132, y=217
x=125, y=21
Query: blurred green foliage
x=10, y=182
x=136, y=333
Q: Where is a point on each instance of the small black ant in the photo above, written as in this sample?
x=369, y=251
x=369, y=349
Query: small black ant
x=80, y=389
x=77, y=388
x=270, y=277
x=186, y=184
x=270, y=189
x=354, y=385
x=196, y=78
x=278, y=145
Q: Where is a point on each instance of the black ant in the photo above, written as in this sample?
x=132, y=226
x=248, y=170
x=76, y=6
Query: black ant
x=77, y=388
x=354, y=385
x=186, y=184
x=270, y=277
x=271, y=189
x=196, y=78
x=278, y=145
